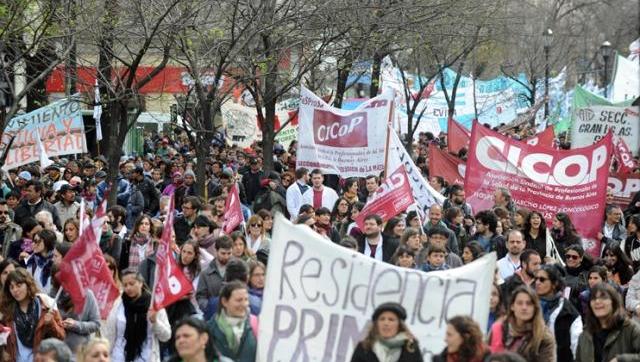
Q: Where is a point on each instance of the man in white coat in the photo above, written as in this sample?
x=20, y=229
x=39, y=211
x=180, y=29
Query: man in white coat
x=318, y=195
x=295, y=191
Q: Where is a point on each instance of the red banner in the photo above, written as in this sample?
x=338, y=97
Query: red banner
x=626, y=163
x=624, y=188
x=233, y=214
x=84, y=268
x=170, y=282
x=541, y=178
x=448, y=166
x=391, y=198
x=457, y=136
x=545, y=138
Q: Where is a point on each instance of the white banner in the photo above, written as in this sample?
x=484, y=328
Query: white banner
x=593, y=122
x=345, y=143
x=626, y=80
x=423, y=193
x=319, y=297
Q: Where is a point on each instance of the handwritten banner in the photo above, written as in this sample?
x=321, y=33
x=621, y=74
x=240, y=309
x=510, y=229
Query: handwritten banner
x=59, y=126
x=593, y=122
x=319, y=297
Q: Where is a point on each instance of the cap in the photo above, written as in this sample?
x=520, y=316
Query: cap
x=392, y=307
x=89, y=164
x=176, y=174
x=65, y=188
x=54, y=166
x=254, y=161
x=25, y=175
x=58, y=184
x=228, y=173
x=101, y=174
x=102, y=159
x=139, y=170
x=189, y=173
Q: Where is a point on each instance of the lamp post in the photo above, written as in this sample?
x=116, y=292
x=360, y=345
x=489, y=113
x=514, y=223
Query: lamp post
x=547, y=36
x=606, y=50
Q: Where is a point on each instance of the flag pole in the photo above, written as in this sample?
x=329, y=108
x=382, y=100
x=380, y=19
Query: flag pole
x=388, y=141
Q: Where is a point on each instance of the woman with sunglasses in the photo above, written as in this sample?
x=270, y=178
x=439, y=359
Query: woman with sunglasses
x=31, y=315
x=78, y=327
x=609, y=334
x=559, y=314
x=523, y=330
x=256, y=237
x=39, y=264
x=577, y=266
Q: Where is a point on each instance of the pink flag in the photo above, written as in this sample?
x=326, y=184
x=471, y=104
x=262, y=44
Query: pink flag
x=391, y=198
x=626, y=163
x=446, y=165
x=457, y=136
x=170, y=282
x=545, y=138
x=233, y=215
x=84, y=268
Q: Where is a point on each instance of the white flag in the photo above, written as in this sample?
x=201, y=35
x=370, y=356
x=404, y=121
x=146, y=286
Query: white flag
x=44, y=158
x=97, y=112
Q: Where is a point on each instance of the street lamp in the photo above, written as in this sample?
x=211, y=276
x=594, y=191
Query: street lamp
x=606, y=50
x=547, y=36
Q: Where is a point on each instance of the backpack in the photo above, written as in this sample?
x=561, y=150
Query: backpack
x=262, y=201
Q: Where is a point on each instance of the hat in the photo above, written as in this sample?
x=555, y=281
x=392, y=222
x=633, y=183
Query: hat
x=58, y=184
x=102, y=159
x=189, y=173
x=254, y=161
x=228, y=173
x=392, y=307
x=25, y=175
x=101, y=174
x=176, y=174
x=54, y=166
x=65, y=188
x=89, y=164
x=138, y=169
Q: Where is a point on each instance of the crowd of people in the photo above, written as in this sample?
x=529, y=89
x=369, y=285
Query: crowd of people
x=545, y=305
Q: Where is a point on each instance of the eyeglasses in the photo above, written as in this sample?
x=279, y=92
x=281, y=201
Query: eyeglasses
x=256, y=225
x=541, y=279
x=572, y=256
x=37, y=241
x=4, y=212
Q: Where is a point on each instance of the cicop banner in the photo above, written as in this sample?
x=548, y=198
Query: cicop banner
x=624, y=187
x=541, y=178
x=593, y=122
x=58, y=125
x=319, y=297
x=345, y=143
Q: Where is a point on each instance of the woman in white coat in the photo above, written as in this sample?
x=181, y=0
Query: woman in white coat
x=133, y=330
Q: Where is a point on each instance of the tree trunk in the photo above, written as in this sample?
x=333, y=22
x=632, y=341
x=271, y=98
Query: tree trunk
x=375, y=74
x=116, y=111
x=343, y=77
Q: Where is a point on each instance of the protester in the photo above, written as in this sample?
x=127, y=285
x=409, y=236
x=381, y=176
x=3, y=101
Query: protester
x=523, y=331
x=210, y=279
x=563, y=232
x=97, y=349
x=374, y=244
x=52, y=349
x=39, y=264
x=257, y=273
x=535, y=233
x=609, y=335
x=32, y=315
x=193, y=342
x=132, y=329
x=139, y=244
x=529, y=263
x=404, y=257
x=232, y=328
x=388, y=338
x=6, y=267
x=471, y=252
x=511, y=262
x=411, y=239
x=496, y=306
x=319, y=195
x=71, y=230
x=464, y=342
x=631, y=245
x=256, y=236
x=618, y=264
x=560, y=316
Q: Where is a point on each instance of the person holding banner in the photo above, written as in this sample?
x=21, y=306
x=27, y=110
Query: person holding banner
x=388, y=339
x=132, y=328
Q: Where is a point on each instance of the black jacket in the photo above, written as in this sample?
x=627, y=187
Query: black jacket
x=182, y=228
x=389, y=247
x=24, y=210
x=366, y=355
x=562, y=330
x=151, y=196
x=251, y=183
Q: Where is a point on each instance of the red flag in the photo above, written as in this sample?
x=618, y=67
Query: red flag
x=391, y=198
x=170, y=282
x=542, y=179
x=545, y=138
x=448, y=166
x=233, y=215
x=457, y=136
x=626, y=163
x=84, y=268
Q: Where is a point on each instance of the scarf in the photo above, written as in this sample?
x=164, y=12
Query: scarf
x=135, y=332
x=207, y=242
x=326, y=229
x=548, y=305
x=517, y=337
x=44, y=263
x=232, y=328
x=137, y=241
x=351, y=197
x=389, y=349
x=26, y=322
x=105, y=240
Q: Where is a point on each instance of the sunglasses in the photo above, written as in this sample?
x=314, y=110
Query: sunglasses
x=256, y=225
x=4, y=212
x=572, y=256
x=541, y=279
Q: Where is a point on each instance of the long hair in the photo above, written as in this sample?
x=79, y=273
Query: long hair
x=471, y=335
x=136, y=225
x=335, y=212
x=565, y=219
x=623, y=263
x=408, y=233
x=618, y=315
x=18, y=276
x=256, y=219
x=537, y=322
x=391, y=224
x=194, y=267
x=373, y=336
x=527, y=222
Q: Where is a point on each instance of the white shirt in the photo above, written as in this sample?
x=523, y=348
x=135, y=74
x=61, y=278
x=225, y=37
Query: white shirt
x=367, y=249
x=294, y=200
x=117, y=351
x=329, y=197
x=506, y=267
